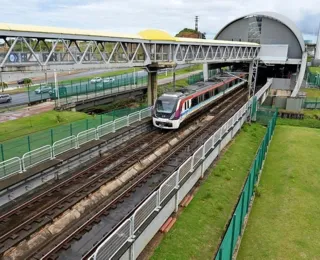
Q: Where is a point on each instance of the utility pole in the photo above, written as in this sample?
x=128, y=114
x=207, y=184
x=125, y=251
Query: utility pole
x=196, y=23
x=2, y=86
x=56, y=87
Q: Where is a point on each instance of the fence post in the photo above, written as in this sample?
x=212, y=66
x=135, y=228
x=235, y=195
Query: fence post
x=70, y=129
x=2, y=153
x=51, y=134
x=220, y=253
x=87, y=123
x=233, y=231
x=101, y=119
x=29, y=145
x=241, y=217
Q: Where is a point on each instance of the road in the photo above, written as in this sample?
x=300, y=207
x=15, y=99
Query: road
x=23, y=98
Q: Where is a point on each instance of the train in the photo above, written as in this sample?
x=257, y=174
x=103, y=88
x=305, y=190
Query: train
x=173, y=108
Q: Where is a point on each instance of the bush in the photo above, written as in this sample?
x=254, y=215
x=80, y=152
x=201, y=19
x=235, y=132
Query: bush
x=3, y=85
x=59, y=118
x=27, y=81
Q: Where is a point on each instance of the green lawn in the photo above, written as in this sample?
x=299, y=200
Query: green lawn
x=181, y=71
x=197, y=231
x=307, y=122
x=102, y=75
x=314, y=69
x=284, y=222
x=27, y=125
x=312, y=93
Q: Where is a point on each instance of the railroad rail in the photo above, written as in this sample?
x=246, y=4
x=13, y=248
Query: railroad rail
x=68, y=192
x=167, y=164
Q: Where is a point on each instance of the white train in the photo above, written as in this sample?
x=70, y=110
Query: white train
x=171, y=109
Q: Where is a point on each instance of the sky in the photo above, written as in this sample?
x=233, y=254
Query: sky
x=132, y=16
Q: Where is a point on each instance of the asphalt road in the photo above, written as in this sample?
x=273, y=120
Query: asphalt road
x=23, y=98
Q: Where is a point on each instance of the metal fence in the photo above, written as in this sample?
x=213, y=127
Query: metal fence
x=50, y=146
x=21, y=145
x=235, y=226
x=77, y=90
x=112, y=245
x=199, y=77
x=312, y=103
x=313, y=79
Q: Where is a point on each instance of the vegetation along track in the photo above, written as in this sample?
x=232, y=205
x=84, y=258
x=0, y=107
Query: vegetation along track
x=30, y=216
x=163, y=166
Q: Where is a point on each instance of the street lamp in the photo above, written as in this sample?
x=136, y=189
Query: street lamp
x=56, y=87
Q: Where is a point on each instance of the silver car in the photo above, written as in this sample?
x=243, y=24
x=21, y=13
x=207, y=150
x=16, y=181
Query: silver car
x=5, y=98
x=43, y=89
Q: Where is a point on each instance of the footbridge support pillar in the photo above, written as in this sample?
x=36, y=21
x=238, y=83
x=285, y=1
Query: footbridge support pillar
x=152, y=70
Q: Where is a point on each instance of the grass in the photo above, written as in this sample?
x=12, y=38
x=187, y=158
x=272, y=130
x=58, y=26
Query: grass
x=197, y=232
x=102, y=75
x=312, y=93
x=311, y=113
x=24, y=126
x=284, y=222
x=314, y=69
x=181, y=71
x=307, y=122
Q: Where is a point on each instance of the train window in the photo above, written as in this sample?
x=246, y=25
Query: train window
x=206, y=96
x=216, y=91
x=194, y=101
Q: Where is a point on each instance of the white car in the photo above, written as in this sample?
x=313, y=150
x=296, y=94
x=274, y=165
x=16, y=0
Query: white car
x=96, y=80
x=106, y=80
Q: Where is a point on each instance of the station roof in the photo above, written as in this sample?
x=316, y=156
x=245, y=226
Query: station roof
x=275, y=16
x=149, y=34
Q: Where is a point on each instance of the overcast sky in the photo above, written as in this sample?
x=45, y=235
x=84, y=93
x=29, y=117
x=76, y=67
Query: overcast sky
x=132, y=16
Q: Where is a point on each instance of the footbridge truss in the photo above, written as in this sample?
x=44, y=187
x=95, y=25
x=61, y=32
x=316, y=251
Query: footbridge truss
x=35, y=48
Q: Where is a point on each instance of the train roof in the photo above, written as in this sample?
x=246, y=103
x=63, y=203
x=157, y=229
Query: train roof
x=200, y=86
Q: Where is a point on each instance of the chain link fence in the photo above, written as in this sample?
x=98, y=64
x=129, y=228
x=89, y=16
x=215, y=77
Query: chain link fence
x=313, y=79
x=77, y=90
x=21, y=145
x=235, y=227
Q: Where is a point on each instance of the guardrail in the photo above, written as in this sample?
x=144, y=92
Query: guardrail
x=127, y=231
x=45, y=153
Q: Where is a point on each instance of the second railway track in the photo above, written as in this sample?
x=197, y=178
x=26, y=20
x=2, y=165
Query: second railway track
x=62, y=196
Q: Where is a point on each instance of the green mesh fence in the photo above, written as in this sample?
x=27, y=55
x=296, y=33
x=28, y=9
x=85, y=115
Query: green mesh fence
x=234, y=229
x=312, y=103
x=199, y=76
x=313, y=79
x=78, y=90
x=264, y=114
x=21, y=145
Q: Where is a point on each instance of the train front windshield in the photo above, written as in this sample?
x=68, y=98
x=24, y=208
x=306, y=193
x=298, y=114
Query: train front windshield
x=165, y=106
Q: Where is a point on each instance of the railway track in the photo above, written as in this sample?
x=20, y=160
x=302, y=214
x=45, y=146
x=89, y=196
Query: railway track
x=19, y=223
x=167, y=164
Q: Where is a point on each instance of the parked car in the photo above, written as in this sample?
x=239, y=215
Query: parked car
x=24, y=81
x=5, y=98
x=96, y=80
x=107, y=80
x=42, y=89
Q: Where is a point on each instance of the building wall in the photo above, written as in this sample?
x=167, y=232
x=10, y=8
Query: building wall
x=272, y=32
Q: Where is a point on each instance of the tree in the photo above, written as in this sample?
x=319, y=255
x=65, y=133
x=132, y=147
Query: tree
x=27, y=82
x=3, y=85
x=191, y=33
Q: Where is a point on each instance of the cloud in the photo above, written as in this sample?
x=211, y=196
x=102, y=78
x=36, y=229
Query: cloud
x=132, y=16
